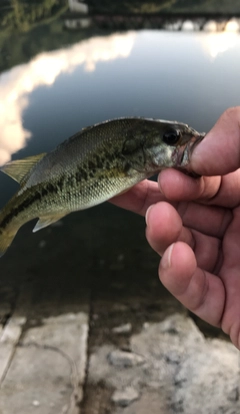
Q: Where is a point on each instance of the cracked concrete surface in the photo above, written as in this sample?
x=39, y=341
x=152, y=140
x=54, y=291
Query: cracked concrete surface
x=81, y=328
x=48, y=368
x=180, y=370
x=9, y=338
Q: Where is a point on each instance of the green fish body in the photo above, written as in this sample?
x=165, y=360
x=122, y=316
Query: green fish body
x=91, y=167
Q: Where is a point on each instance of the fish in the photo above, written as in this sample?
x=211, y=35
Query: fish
x=89, y=168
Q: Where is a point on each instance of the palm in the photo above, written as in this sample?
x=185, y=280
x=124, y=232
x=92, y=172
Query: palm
x=229, y=272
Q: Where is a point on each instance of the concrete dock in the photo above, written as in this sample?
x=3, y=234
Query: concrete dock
x=87, y=328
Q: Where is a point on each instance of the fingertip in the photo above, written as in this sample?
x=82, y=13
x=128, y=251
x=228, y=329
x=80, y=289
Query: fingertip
x=164, y=226
x=177, y=267
x=176, y=185
x=161, y=216
x=156, y=211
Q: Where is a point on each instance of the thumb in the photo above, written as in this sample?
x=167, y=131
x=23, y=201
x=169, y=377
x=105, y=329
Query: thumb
x=219, y=152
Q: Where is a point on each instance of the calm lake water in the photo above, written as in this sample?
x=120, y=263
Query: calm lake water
x=185, y=76
x=191, y=77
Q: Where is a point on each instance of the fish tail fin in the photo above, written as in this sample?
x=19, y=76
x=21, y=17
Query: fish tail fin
x=6, y=238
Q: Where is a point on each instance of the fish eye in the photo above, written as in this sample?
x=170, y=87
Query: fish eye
x=171, y=136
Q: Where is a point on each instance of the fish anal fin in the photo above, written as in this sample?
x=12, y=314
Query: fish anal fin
x=19, y=169
x=45, y=221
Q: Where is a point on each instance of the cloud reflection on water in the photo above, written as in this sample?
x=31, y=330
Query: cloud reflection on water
x=217, y=43
x=17, y=83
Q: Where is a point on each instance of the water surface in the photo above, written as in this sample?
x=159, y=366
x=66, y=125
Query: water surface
x=186, y=76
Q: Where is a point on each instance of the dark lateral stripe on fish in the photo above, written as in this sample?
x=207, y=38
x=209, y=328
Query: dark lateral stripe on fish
x=26, y=203
x=49, y=189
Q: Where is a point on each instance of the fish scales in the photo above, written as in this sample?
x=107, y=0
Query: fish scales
x=91, y=167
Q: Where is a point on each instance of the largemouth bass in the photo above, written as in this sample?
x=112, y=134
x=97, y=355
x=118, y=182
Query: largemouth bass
x=91, y=167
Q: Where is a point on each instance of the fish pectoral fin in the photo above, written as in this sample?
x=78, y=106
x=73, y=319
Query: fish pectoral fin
x=46, y=221
x=19, y=169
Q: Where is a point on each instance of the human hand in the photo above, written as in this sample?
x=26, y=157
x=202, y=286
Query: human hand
x=194, y=224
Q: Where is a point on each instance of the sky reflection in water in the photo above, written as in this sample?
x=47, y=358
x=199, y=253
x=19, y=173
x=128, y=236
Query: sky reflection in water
x=190, y=77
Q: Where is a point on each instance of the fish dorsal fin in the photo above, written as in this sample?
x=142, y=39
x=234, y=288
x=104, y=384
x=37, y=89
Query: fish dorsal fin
x=46, y=221
x=19, y=169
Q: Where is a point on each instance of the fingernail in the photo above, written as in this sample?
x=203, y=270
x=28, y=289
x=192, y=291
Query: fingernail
x=159, y=185
x=166, y=261
x=147, y=215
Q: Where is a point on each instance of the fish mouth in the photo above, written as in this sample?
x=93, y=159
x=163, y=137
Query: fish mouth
x=185, y=152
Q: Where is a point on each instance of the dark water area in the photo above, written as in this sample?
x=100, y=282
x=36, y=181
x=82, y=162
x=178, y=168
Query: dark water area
x=187, y=76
